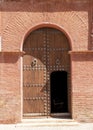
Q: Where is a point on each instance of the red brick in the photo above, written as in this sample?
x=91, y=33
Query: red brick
x=18, y=19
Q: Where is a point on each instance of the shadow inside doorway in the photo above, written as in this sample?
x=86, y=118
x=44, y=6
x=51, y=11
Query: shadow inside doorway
x=59, y=94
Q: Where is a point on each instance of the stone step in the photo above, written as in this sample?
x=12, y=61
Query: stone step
x=47, y=122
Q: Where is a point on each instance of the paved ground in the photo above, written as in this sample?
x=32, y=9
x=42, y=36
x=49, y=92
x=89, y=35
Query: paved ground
x=79, y=127
x=48, y=125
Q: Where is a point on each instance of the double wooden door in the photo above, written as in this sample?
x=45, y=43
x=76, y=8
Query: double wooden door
x=46, y=51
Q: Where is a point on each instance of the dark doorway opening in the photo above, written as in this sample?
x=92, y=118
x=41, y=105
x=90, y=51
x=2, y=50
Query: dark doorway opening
x=59, y=92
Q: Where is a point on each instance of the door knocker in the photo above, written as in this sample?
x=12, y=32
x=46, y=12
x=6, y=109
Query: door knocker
x=57, y=62
x=34, y=63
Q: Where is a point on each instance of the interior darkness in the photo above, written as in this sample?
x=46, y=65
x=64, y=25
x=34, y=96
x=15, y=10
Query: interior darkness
x=59, y=100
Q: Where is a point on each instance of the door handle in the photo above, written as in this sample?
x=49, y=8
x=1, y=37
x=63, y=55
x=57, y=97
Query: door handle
x=34, y=63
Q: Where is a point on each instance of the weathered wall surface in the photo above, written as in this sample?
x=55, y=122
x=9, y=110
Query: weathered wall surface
x=82, y=88
x=18, y=19
x=10, y=94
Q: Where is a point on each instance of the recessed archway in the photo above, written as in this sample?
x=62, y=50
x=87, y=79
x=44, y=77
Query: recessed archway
x=46, y=52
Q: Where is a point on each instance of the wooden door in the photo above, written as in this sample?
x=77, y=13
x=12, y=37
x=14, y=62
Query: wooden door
x=58, y=62
x=46, y=50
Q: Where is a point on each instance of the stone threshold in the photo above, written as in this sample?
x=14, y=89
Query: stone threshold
x=40, y=122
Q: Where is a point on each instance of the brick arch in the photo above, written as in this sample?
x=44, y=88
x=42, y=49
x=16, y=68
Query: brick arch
x=21, y=23
x=51, y=25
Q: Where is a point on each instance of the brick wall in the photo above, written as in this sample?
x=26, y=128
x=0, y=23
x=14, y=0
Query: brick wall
x=82, y=86
x=10, y=94
x=18, y=19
